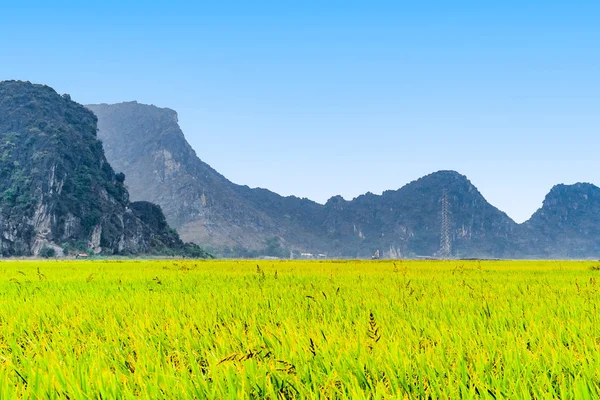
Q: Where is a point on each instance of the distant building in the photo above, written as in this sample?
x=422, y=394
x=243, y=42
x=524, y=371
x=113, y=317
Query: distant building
x=312, y=255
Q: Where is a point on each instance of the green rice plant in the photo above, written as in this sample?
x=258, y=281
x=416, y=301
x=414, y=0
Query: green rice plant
x=230, y=329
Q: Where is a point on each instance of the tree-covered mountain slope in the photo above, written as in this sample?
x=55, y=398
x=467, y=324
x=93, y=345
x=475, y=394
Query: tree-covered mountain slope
x=58, y=190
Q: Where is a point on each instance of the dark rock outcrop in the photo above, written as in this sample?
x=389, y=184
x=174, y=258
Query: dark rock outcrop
x=57, y=188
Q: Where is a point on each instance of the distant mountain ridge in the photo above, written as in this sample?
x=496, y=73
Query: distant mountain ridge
x=409, y=219
x=146, y=143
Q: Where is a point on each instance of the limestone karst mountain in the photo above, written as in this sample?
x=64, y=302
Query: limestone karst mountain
x=58, y=190
x=567, y=225
x=147, y=144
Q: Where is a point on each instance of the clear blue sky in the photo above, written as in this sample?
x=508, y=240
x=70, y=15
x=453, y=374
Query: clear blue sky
x=341, y=97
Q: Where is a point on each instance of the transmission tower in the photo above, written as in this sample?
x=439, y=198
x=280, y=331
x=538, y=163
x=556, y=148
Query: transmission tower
x=445, y=249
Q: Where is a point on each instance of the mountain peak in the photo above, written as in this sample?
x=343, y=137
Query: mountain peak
x=335, y=201
x=575, y=188
x=574, y=195
x=444, y=178
x=448, y=173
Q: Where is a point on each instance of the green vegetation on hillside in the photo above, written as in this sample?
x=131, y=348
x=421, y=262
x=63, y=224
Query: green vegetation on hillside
x=58, y=190
x=46, y=138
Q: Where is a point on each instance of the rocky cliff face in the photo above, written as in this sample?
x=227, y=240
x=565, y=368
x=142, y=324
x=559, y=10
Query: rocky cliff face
x=147, y=144
x=58, y=190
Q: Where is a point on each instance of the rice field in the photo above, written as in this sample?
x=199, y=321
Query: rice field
x=299, y=329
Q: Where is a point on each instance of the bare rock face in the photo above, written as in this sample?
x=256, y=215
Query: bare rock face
x=57, y=188
x=146, y=143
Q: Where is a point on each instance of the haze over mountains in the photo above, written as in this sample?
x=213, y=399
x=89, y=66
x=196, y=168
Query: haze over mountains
x=146, y=143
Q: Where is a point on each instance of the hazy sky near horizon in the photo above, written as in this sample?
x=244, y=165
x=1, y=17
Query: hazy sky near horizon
x=320, y=98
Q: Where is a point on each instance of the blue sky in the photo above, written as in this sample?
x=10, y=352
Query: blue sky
x=323, y=98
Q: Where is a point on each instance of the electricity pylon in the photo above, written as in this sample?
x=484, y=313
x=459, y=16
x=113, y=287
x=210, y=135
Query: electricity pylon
x=445, y=245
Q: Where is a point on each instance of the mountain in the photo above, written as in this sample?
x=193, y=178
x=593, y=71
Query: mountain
x=568, y=223
x=409, y=220
x=58, y=191
x=146, y=143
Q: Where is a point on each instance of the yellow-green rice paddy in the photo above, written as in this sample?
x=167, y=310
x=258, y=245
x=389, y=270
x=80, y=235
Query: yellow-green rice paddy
x=299, y=329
